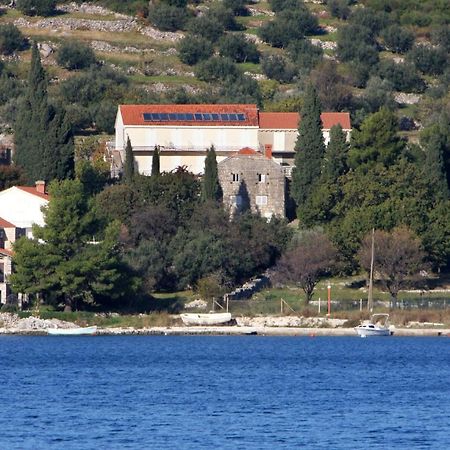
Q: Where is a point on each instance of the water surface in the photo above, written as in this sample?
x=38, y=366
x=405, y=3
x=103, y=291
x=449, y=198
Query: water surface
x=228, y=392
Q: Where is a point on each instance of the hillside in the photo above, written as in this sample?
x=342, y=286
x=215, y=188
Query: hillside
x=396, y=61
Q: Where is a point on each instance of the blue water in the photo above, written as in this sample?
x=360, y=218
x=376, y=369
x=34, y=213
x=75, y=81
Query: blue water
x=249, y=392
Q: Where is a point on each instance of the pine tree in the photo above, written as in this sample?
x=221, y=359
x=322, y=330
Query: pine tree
x=43, y=136
x=211, y=187
x=129, y=163
x=156, y=161
x=310, y=149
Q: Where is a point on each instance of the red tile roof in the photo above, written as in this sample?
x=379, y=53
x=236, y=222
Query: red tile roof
x=133, y=114
x=5, y=224
x=289, y=120
x=33, y=190
x=247, y=151
x=6, y=252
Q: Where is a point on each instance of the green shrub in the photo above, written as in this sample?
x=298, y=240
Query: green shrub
x=278, y=68
x=36, y=7
x=402, y=76
x=192, y=49
x=397, y=39
x=216, y=69
x=238, y=48
x=210, y=28
x=429, y=60
x=167, y=18
x=11, y=39
x=74, y=55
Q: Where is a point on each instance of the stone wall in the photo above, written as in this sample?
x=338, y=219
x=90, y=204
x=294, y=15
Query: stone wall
x=255, y=182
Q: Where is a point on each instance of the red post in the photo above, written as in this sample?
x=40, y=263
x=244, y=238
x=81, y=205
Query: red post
x=329, y=300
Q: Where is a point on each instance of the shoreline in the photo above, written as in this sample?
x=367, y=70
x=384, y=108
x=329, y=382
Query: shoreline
x=236, y=331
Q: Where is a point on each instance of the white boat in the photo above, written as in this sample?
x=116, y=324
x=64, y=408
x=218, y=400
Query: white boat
x=378, y=325
x=72, y=331
x=205, y=318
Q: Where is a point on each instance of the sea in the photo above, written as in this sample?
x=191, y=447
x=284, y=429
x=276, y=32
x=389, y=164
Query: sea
x=224, y=392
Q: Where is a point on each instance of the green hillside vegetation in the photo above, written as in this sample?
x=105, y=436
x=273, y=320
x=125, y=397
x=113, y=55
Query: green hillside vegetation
x=385, y=62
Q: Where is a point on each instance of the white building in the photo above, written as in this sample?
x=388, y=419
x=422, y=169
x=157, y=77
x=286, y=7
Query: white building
x=184, y=132
x=20, y=208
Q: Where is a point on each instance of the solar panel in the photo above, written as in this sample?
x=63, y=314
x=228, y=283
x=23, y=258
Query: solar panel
x=198, y=116
x=172, y=116
x=224, y=117
x=147, y=117
x=215, y=116
x=241, y=117
x=189, y=116
x=206, y=116
x=155, y=116
x=232, y=117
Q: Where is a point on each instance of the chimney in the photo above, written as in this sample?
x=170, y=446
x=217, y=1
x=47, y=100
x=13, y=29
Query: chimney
x=268, y=151
x=40, y=186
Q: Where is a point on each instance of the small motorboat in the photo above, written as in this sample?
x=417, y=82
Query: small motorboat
x=206, y=318
x=78, y=331
x=378, y=325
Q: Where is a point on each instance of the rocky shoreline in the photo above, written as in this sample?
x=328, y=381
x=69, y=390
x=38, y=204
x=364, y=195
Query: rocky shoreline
x=11, y=324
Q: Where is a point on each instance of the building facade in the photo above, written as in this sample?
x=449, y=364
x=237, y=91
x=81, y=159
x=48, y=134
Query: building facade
x=250, y=180
x=184, y=133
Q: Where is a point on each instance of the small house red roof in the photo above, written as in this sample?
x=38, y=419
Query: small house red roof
x=34, y=191
x=3, y=251
x=5, y=224
x=134, y=115
x=290, y=120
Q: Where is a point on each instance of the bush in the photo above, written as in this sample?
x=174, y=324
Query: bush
x=36, y=7
x=11, y=39
x=441, y=36
x=375, y=21
x=192, y=49
x=429, y=60
x=238, y=48
x=167, y=18
x=339, y=8
x=278, y=68
x=402, y=76
x=356, y=43
x=209, y=28
x=74, y=55
x=304, y=54
x=238, y=7
x=397, y=39
x=105, y=116
x=224, y=16
x=216, y=69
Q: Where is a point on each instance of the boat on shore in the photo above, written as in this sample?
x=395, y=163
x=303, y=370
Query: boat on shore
x=206, y=318
x=378, y=325
x=79, y=331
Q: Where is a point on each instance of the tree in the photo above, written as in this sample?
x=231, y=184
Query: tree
x=398, y=257
x=429, y=60
x=36, y=7
x=74, y=55
x=166, y=17
x=310, y=259
x=397, y=39
x=279, y=68
x=217, y=69
x=156, y=161
x=62, y=259
x=193, y=49
x=309, y=149
x=238, y=48
x=376, y=142
x=43, y=135
x=11, y=39
x=211, y=187
x=402, y=76
x=129, y=163
x=10, y=176
x=328, y=191
x=206, y=26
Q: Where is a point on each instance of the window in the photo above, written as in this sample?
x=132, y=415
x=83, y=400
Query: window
x=261, y=200
x=262, y=177
x=234, y=177
x=235, y=200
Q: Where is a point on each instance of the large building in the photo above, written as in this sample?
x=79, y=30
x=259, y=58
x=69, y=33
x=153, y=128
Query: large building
x=184, y=132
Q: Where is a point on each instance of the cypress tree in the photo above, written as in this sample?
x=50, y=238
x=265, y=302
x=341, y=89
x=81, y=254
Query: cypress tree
x=129, y=163
x=310, y=149
x=211, y=187
x=155, y=161
x=336, y=153
x=43, y=135
x=434, y=143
